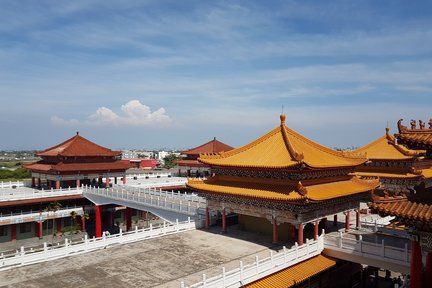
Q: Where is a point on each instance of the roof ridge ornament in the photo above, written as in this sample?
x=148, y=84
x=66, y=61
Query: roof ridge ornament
x=296, y=156
x=414, y=129
x=301, y=189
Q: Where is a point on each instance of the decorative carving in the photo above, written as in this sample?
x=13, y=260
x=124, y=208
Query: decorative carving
x=421, y=124
x=301, y=189
x=413, y=124
x=430, y=123
x=401, y=127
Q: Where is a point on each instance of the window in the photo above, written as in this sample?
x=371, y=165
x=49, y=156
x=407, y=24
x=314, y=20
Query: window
x=25, y=227
x=4, y=230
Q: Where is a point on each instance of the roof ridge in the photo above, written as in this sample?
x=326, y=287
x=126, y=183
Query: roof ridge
x=58, y=145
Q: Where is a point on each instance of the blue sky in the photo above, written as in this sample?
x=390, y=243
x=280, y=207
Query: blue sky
x=175, y=74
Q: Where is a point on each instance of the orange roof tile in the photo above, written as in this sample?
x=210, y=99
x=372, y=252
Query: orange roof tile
x=295, y=274
x=388, y=175
x=415, y=137
x=282, y=148
x=212, y=146
x=189, y=163
x=408, y=210
x=78, y=146
x=386, y=148
x=280, y=190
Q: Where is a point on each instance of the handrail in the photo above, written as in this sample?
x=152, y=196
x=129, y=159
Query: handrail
x=34, y=193
x=38, y=216
x=10, y=184
x=31, y=256
x=248, y=273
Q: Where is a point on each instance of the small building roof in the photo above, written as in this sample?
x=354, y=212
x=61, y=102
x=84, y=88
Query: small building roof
x=212, y=146
x=81, y=167
x=385, y=148
x=78, y=146
x=405, y=209
x=415, y=138
x=294, y=275
x=282, y=148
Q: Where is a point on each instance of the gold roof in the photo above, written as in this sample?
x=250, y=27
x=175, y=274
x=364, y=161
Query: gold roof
x=388, y=175
x=295, y=274
x=282, y=148
x=281, y=190
x=385, y=148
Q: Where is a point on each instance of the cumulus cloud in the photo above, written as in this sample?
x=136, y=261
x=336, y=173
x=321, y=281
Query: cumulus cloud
x=134, y=113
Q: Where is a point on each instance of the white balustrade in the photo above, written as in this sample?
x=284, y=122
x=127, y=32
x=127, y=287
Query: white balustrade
x=31, y=216
x=11, y=184
x=68, y=248
x=10, y=195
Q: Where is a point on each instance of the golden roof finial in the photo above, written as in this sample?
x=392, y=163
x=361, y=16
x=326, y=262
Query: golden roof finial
x=282, y=118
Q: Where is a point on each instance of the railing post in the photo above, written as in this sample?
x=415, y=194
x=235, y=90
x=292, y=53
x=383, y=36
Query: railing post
x=86, y=242
x=66, y=243
x=182, y=284
x=45, y=247
x=136, y=229
x=204, y=280
x=296, y=249
x=177, y=225
x=361, y=243
x=340, y=240
x=271, y=257
x=223, y=277
x=256, y=264
x=241, y=270
x=285, y=254
x=22, y=253
x=121, y=234
x=151, y=230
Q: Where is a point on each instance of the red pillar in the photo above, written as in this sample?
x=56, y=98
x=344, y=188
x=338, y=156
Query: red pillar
x=188, y=173
x=146, y=215
x=78, y=183
x=115, y=180
x=107, y=182
x=33, y=182
x=124, y=179
x=128, y=218
x=207, y=220
x=291, y=232
x=49, y=184
x=347, y=221
x=59, y=224
x=38, y=230
x=98, y=220
x=224, y=226
x=300, y=234
x=100, y=181
x=275, y=231
x=429, y=270
x=82, y=223
x=57, y=184
x=315, y=235
x=416, y=265
x=179, y=172
x=335, y=220
x=358, y=219
x=13, y=232
x=39, y=183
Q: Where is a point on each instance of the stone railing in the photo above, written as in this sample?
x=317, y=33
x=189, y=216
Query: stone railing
x=248, y=273
x=11, y=184
x=37, y=216
x=34, y=193
x=31, y=256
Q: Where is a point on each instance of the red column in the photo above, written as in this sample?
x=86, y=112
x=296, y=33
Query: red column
x=188, y=173
x=13, y=232
x=347, y=221
x=429, y=270
x=275, y=231
x=335, y=220
x=82, y=223
x=78, y=183
x=33, y=182
x=49, y=184
x=207, y=220
x=98, y=220
x=57, y=184
x=179, y=172
x=107, y=182
x=115, y=180
x=416, y=265
x=146, y=215
x=128, y=218
x=315, y=235
x=224, y=227
x=38, y=229
x=100, y=181
x=58, y=222
x=39, y=183
x=291, y=232
x=358, y=219
x=300, y=234
x=124, y=179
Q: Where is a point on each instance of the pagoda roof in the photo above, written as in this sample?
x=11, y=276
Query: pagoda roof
x=78, y=146
x=189, y=163
x=81, y=167
x=296, y=274
x=389, y=175
x=282, y=148
x=212, y=146
x=406, y=210
x=417, y=138
x=281, y=189
x=385, y=148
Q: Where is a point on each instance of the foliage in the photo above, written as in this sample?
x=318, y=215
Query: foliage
x=169, y=161
x=19, y=173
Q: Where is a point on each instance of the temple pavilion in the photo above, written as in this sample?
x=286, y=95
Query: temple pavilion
x=191, y=160
x=282, y=179
x=76, y=161
x=400, y=170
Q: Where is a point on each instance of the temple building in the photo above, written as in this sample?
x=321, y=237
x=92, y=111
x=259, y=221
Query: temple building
x=400, y=170
x=191, y=160
x=281, y=182
x=415, y=212
x=77, y=161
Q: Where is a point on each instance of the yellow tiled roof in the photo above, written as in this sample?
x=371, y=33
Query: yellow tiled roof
x=294, y=275
x=388, y=175
x=281, y=190
x=385, y=148
x=282, y=148
x=427, y=173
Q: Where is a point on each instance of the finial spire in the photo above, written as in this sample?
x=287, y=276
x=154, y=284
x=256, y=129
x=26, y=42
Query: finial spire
x=77, y=133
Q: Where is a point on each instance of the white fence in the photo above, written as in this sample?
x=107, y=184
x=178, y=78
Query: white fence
x=381, y=225
x=11, y=184
x=34, y=193
x=362, y=248
x=177, y=202
x=32, y=256
x=37, y=216
x=245, y=274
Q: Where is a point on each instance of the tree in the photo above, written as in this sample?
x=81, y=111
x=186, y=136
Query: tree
x=53, y=207
x=169, y=160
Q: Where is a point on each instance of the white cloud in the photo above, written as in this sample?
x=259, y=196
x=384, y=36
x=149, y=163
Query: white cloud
x=133, y=114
